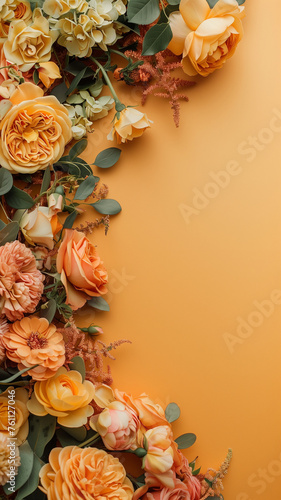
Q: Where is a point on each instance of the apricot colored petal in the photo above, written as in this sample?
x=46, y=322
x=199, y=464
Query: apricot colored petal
x=77, y=417
x=214, y=26
x=194, y=12
x=26, y=92
x=180, y=31
x=103, y=396
x=35, y=407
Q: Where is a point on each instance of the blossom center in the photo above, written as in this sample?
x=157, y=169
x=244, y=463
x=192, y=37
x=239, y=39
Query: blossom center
x=35, y=341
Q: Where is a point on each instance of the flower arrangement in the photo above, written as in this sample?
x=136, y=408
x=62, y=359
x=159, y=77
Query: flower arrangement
x=64, y=432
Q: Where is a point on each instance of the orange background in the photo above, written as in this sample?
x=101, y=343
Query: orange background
x=187, y=280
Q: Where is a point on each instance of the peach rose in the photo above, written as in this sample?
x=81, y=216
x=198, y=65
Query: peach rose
x=178, y=492
x=206, y=37
x=65, y=396
x=21, y=427
x=117, y=425
x=21, y=284
x=82, y=271
x=48, y=72
x=184, y=471
x=40, y=226
x=34, y=131
x=33, y=341
x=29, y=44
x=159, y=458
x=128, y=124
x=82, y=474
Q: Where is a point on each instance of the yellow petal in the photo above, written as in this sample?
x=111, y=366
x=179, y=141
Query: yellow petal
x=194, y=12
x=180, y=31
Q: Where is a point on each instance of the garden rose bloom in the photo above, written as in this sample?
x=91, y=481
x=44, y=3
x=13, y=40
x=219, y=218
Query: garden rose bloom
x=33, y=341
x=82, y=271
x=183, y=470
x=21, y=284
x=178, y=492
x=29, y=44
x=40, y=226
x=21, y=427
x=34, y=131
x=82, y=474
x=65, y=396
x=5, y=458
x=159, y=457
x=206, y=37
x=130, y=124
x=117, y=425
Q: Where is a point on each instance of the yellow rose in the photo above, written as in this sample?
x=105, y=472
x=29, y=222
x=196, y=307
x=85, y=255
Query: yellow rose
x=21, y=428
x=65, y=396
x=34, y=130
x=206, y=37
x=40, y=226
x=128, y=124
x=76, y=474
x=29, y=44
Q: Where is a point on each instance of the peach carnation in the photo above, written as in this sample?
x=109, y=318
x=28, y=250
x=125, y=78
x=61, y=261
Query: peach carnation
x=86, y=473
x=33, y=341
x=21, y=284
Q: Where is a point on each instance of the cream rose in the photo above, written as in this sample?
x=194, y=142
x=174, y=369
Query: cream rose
x=34, y=130
x=82, y=271
x=129, y=124
x=40, y=226
x=206, y=37
x=29, y=44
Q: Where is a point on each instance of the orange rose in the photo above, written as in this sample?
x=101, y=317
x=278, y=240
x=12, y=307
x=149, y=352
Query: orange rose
x=65, y=396
x=34, y=131
x=178, y=492
x=82, y=474
x=205, y=37
x=82, y=271
x=129, y=124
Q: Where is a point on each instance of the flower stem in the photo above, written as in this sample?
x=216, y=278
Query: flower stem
x=118, y=104
x=91, y=440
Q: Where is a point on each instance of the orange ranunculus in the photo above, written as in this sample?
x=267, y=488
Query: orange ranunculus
x=33, y=341
x=82, y=271
x=48, y=72
x=21, y=428
x=65, y=396
x=129, y=124
x=34, y=130
x=206, y=37
x=117, y=425
x=82, y=474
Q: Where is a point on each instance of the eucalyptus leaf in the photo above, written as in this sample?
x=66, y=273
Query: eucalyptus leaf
x=78, y=433
x=107, y=206
x=9, y=233
x=77, y=80
x=173, y=2
x=77, y=149
x=107, y=158
x=25, y=469
x=68, y=223
x=16, y=198
x=2, y=225
x=157, y=39
x=32, y=483
x=99, y=303
x=41, y=431
x=46, y=180
x=143, y=11
x=86, y=188
x=185, y=441
x=16, y=375
x=77, y=363
x=60, y=92
x=6, y=181
x=49, y=311
x=172, y=412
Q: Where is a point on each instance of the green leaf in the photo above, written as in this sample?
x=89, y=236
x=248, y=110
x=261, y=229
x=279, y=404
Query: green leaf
x=212, y=3
x=9, y=233
x=66, y=439
x=185, y=441
x=17, y=198
x=107, y=206
x=60, y=92
x=16, y=375
x=41, y=431
x=46, y=180
x=143, y=11
x=2, y=225
x=157, y=39
x=76, y=80
x=107, y=158
x=36, y=78
x=32, y=483
x=78, y=433
x=68, y=223
x=78, y=364
x=25, y=469
x=196, y=472
x=173, y=2
x=86, y=188
x=49, y=311
x=77, y=66
x=77, y=149
x=6, y=181
x=172, y=412
x=98, y=303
